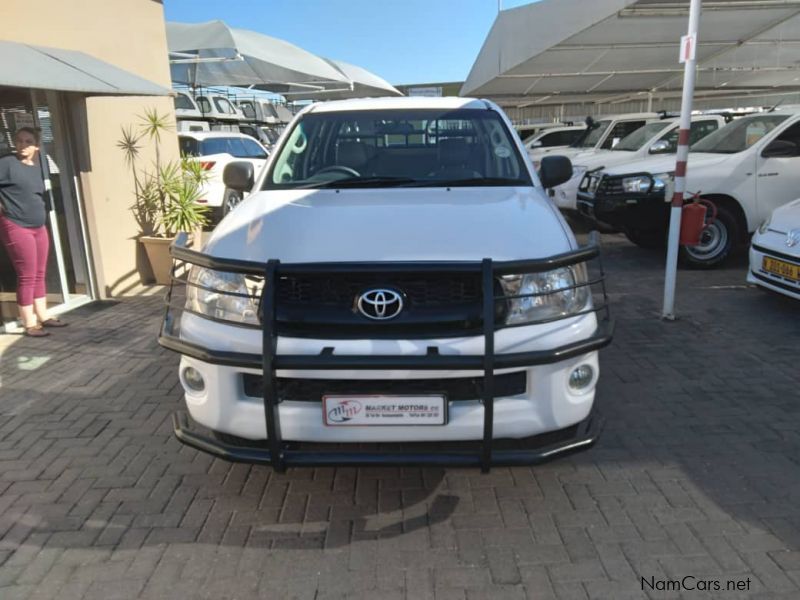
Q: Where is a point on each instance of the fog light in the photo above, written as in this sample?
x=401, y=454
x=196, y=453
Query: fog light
x=193, y=379
x=581, y=377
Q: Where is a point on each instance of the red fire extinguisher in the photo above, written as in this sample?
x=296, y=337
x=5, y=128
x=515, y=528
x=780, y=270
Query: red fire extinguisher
x=694, y=219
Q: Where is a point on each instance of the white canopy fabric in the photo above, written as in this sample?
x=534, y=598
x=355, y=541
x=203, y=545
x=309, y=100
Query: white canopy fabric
x=212, y=53
x=561, y=51
x=44, y=68
x=363, y=84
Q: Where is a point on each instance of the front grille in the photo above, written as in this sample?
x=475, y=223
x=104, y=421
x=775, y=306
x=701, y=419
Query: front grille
x=456, y=389
x=610, y=185
x=419, y=291
x=434, y=305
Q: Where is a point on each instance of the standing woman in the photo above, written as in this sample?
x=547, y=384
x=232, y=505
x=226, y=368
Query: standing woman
x=23, y=232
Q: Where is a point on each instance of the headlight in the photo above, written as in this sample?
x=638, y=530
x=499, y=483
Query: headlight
x=762, y=229
x=639, y=184
x=662, y=181
x=540, y=296
x=578, y=171
x=220, y=295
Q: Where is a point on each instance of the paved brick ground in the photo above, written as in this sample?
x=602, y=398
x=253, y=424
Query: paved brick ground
x=697, y=474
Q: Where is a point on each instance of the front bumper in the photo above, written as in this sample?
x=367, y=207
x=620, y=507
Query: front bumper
x=274, y=421
x=644, y=213
x=757, y=275
x=572, y=439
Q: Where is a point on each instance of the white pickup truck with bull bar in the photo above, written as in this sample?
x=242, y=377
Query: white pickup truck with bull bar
x=374, y=289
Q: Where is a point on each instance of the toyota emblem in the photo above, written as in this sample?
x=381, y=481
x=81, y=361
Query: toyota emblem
x=793, y=238
x=380, y=304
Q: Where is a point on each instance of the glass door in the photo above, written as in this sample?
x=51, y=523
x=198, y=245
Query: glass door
x=68, y=279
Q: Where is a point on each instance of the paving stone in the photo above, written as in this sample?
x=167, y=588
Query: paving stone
x=696, y=473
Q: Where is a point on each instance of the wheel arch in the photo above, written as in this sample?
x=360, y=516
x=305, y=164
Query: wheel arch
x=735, y=208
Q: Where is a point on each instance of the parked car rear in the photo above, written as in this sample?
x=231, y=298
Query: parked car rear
x=215, y=150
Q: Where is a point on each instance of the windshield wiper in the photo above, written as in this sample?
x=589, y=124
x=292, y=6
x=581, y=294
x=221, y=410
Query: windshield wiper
x=470, y=182
x=359, y=182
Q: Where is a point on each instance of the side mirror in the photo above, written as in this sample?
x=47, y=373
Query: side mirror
x=660, y=147
x=555, y=170
x=239, y=176
x=780, y=149
x=536, y=144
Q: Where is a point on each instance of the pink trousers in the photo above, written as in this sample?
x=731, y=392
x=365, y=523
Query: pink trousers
x=27, y=248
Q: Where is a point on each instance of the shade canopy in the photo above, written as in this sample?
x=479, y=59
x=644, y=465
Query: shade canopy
x=43, y=68
x=212, y=53
x=560, y=51
x=363, y=84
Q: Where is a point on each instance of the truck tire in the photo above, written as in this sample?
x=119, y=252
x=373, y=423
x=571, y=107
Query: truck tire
x=649, y=239
x=717, y=243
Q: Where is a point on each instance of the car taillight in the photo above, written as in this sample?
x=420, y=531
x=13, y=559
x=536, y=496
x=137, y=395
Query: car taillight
x=207, y=164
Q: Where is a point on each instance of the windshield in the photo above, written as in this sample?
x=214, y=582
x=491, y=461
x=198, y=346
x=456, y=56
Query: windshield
x=393, y=148
x=739, y=135
x=639, y=138
x=593, y=136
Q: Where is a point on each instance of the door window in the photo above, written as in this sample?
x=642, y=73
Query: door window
x=792, y=134
x=204, y=104
x=224, y=106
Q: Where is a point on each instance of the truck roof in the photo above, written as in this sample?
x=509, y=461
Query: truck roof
x=405, y=102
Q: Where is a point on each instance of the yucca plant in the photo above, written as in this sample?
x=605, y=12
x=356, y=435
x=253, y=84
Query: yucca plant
x=166, y=193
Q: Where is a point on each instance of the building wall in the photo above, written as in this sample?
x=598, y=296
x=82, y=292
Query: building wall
x=129, y=34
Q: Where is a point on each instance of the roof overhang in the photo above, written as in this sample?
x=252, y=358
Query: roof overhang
x=561, y=51
x=40, y=67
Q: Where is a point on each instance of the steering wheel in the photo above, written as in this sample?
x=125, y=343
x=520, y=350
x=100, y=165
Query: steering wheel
x=338, y=169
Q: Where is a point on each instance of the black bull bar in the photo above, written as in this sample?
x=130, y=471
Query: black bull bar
x=280, y=455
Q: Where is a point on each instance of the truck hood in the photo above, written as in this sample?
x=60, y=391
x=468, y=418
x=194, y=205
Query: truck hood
x=397, y=224
x=599, y=158
x=666, y=164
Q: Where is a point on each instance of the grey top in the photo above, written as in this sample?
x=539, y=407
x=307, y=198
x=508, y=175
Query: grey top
x=22, y=192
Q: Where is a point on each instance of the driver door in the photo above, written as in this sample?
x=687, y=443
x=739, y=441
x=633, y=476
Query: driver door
x=777, y=178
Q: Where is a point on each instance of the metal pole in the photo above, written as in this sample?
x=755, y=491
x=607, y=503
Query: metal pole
x=688, y=54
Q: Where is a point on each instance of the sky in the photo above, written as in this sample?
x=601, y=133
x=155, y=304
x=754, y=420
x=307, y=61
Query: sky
x=403, y=41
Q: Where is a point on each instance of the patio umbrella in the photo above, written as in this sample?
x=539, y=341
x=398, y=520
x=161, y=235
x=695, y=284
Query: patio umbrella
x=212, y=53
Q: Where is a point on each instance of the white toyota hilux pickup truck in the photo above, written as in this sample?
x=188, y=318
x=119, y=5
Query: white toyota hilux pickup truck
x=746, y=169
x=397, y=276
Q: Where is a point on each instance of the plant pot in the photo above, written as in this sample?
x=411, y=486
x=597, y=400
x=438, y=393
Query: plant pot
x=157, y=249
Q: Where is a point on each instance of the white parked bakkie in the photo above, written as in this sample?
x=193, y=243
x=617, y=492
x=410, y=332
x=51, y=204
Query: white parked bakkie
x=398, y=275
x=747, y=169
x=653, y=139
x=603, y=134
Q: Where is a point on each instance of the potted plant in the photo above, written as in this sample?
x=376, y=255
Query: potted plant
x=166, y=193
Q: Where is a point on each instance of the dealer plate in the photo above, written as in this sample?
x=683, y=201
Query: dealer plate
x=366, y=410
x=784, y=269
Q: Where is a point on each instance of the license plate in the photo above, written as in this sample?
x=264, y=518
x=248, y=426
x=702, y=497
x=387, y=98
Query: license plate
x=784, y=269
x=365, y=410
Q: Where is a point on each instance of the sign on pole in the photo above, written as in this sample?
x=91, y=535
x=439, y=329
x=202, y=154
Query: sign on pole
x=688, y=47
x=688, y=57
